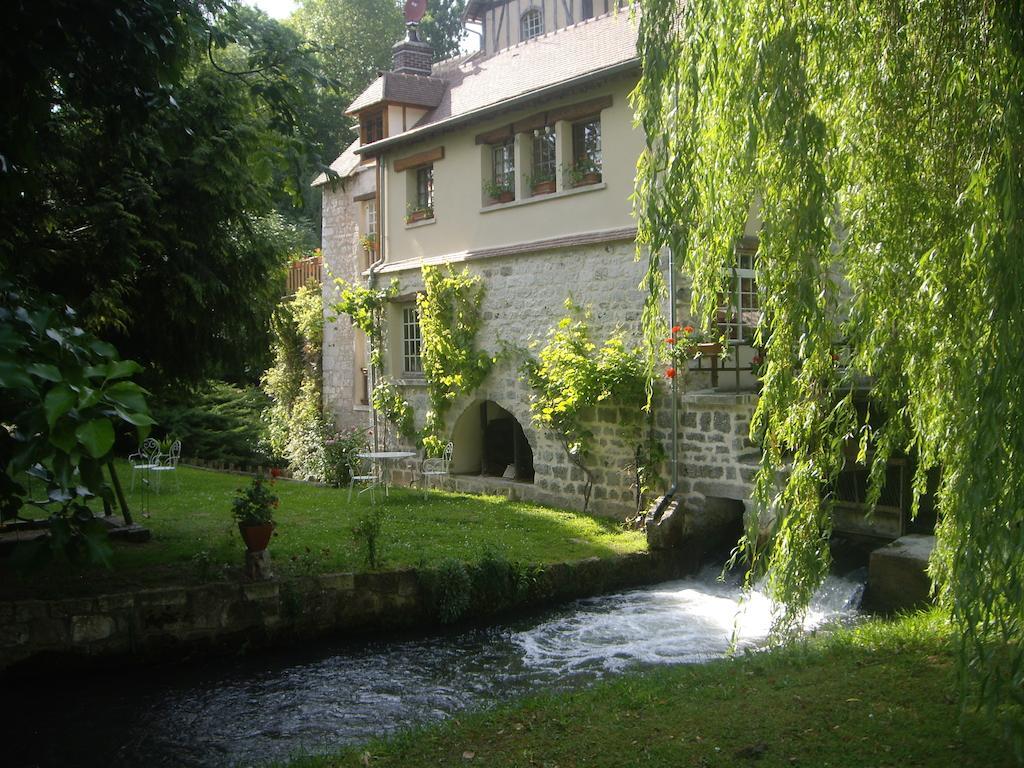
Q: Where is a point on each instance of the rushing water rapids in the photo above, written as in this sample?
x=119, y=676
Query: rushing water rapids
x=250, y=709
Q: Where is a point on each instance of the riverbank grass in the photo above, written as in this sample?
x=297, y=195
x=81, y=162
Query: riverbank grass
x=194, y=538
x=883, y=694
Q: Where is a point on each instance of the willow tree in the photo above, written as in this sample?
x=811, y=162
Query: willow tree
x=882, y=143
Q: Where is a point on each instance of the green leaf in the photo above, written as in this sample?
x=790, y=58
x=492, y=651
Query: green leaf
x=103, y=349
x=133, y=417
x=13, y=376
x=128, y=395
x=44, y=371
x=97, y=436
x=63, y=436
x=57, y=402
x=119, y=369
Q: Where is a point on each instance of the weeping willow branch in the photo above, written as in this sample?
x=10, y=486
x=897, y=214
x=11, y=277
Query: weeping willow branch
x=881, y=144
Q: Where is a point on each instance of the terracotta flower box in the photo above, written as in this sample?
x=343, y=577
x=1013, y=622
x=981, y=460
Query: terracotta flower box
x=587, y=179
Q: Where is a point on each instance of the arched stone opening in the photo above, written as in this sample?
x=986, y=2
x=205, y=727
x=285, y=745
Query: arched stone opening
x=490, y=442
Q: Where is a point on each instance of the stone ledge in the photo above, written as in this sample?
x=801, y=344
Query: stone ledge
x=177, y=622
x=708, y=398
x=898, y=574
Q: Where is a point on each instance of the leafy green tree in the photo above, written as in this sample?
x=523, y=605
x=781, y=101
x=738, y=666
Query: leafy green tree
x=144, y=164
x=442, y=27
x=354, y=39
x=882, y=144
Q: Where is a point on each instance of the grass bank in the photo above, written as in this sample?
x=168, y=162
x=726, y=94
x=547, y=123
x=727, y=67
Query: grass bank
x=883, y=694
x=195, y=538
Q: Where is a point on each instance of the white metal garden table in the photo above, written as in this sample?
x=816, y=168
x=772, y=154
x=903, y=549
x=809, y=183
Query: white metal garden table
x=386, y=459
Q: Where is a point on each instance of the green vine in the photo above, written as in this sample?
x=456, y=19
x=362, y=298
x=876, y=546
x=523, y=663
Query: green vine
x=365, y=306
x=450, y=318
x=572, y=375
x=387, y=400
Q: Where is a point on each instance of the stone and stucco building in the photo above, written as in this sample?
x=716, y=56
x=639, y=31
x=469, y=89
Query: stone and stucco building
x=438, y=143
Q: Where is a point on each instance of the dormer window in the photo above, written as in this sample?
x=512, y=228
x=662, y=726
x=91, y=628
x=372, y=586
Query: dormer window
x=371, y=126
x=531, y=24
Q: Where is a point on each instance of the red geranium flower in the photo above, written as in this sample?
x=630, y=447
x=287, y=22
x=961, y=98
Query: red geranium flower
x=688, y=329
x=670, y=340
x=671, y=373
x=676, y=329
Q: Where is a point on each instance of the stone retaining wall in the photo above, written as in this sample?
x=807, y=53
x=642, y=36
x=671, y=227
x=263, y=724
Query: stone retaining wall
x=182, y=621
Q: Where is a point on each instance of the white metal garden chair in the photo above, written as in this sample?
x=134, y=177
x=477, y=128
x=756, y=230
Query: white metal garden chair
x=437, y=467
x=168, y=463
x=364, y=471
x=144, y=460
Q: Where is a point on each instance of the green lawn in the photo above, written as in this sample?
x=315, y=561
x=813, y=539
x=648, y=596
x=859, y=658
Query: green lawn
x=195, y=538
x=883, y=695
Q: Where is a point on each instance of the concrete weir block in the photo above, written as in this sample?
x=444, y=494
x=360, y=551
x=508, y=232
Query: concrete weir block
x=898, y=574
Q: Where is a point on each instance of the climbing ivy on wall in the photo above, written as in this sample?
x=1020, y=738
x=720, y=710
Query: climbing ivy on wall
x=882, y=143
x=365, y=306
x=571, y=375
x=450, y=318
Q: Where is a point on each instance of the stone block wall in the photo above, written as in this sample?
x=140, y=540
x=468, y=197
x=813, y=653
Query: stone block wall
x=340, y=235
x=526, y=295
x=181, y=621
x=717, y=458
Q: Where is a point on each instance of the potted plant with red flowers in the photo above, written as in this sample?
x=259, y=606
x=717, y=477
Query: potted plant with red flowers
x=685, y=343
x=253, y=510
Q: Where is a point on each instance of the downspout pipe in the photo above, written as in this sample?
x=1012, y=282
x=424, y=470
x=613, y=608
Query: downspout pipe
x=673, y=489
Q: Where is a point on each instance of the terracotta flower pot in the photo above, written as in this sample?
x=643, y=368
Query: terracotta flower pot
x=543, y=187
x=505, y=197
x=709, y=349
x=420, y=215
x=256, y=537
x=589, y=178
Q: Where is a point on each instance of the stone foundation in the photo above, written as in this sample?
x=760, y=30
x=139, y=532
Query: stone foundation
x=182, y=621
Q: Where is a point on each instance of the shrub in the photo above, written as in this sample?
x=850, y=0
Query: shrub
x=340, y=452
x=218, y=422
x=367, y=532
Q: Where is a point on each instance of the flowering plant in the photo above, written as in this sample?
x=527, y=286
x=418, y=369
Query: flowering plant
x=682, y=344
x=255, y=505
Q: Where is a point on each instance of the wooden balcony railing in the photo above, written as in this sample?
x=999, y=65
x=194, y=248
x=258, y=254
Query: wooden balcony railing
x=302, y=271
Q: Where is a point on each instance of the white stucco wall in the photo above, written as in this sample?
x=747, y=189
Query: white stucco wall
x=462, y=221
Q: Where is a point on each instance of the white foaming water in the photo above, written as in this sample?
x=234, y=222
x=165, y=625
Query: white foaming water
x=685, y=621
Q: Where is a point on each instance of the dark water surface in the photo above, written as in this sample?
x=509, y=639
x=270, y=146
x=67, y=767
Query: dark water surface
x=245, y=710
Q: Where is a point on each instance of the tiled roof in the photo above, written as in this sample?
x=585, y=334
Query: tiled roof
x=403, y=88
x=479, y=84
x=344, y=166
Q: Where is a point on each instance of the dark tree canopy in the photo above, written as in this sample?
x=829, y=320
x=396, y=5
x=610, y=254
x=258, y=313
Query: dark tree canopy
x=146, y=151
x=442, y=27
x=354, y=38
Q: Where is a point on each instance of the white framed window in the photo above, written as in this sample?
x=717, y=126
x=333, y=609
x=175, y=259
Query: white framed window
x=411, y=341
x=739, y=311
x=531, y=24
x=425, y=188
x=371, y=217
x=543, y=154
x=586, y=142
x=501, y=185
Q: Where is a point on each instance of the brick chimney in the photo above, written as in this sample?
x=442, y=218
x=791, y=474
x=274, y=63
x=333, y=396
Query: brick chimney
x=412, y=55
